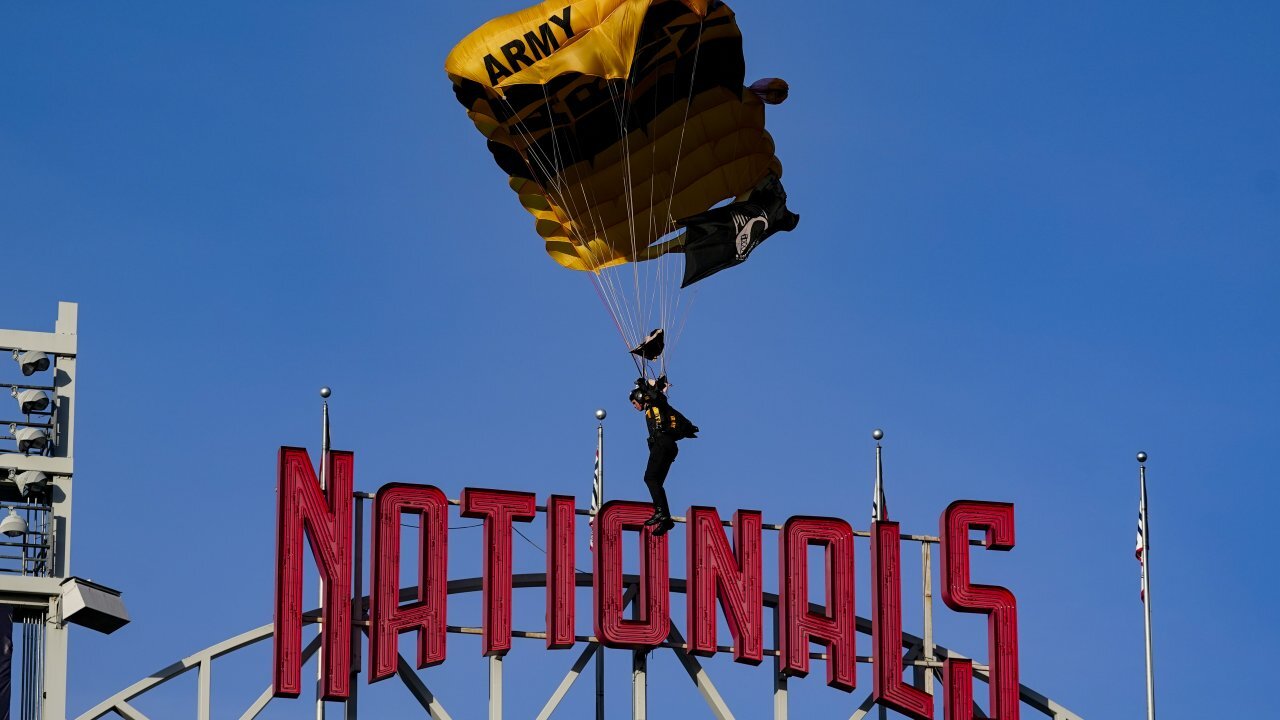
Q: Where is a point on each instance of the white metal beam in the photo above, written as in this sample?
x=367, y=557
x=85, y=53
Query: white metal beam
x=51, y=343
x=128, y=712
x=916, y=646
x=261, y=703
x=47, y=465
x=700, y=678
x=592, y=650
x=864, y=707
x=29, y=591
x=420, y=691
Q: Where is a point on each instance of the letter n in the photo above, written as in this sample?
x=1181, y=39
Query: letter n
x=833, y=626
x=714, y=572
x=324, y=517
x=997, y=603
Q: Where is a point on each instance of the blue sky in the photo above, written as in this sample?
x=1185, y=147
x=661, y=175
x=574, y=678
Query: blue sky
x=1036, y=239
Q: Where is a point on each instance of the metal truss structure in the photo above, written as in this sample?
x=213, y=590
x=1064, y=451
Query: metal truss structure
x=924, y=657
x=35, y=561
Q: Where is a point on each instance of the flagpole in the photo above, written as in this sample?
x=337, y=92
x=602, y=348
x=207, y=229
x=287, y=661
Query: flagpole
x=1146, y=585
x=325, y=392
x=597, y=499
x=878, y=511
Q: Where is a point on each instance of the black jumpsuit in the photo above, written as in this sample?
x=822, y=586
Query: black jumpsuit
x=663, y=432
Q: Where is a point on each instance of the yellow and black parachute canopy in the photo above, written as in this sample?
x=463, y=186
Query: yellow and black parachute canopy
x=614, y=119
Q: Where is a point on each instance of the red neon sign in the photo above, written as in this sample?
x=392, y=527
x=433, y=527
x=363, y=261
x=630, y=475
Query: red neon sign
x=720, y=576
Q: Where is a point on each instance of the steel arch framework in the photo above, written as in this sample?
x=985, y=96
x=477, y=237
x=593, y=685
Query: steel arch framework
x=923, y=656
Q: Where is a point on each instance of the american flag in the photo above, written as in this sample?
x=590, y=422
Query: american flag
x=1140, y=550
x=597, y=499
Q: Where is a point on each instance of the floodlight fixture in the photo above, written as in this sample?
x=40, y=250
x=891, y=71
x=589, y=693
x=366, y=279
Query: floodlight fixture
x=30, y=401
x=13, y=525
x=29, y=482
x=94, y=606
x=29, y=438
x=32, y=361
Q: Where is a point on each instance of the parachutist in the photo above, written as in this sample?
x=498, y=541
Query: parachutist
x=666, y=426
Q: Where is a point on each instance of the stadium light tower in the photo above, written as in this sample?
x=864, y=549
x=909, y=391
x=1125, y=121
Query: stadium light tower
x=36, y=470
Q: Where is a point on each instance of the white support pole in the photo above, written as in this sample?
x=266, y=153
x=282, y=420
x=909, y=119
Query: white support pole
x=639, y=685
x=639, y=676
x=926, y=572
x=779, y=678
x=599, y=664
x=495, y=687
x=204, y=690
x=55, y=646
x=53, y=674
x=64, y=382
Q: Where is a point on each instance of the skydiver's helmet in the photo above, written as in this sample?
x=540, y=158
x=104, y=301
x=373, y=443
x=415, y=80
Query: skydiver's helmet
x=638, y=395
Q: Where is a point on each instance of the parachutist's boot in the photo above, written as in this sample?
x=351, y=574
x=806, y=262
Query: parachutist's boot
x=657, y=517
x=666, y=524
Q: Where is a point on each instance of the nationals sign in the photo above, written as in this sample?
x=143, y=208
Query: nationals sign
x=724, y=576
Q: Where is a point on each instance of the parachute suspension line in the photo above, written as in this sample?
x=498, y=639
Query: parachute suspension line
x=595, y=283
x=650, y=289
x=693, y=295
x=671, y=194
x=611, y=276
x=666, y=291
x=623, y=113
x=603, y=278
x=651, y=232
x=606, y=293
x=604, y=281
x=622, y=110
x=552, y=169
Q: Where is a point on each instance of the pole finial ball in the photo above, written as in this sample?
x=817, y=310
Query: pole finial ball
x=600, y=414
x=325, y=392
x=1142, y=457
x=877, y=434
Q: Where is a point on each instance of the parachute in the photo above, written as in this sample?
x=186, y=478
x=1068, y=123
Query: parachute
x=620, y=123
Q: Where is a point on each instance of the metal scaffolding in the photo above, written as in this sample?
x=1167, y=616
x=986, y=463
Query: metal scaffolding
x=34, y=563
